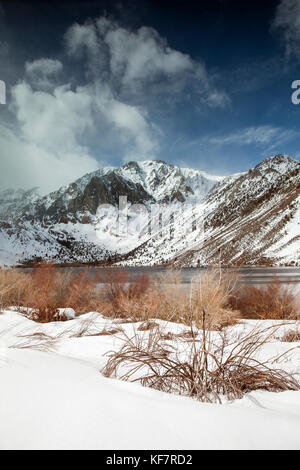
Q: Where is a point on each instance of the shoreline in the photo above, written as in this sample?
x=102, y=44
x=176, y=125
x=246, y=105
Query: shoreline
x=157, y=266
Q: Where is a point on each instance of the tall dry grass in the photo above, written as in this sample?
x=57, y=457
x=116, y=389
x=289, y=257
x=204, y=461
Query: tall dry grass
x=166, y=298
x=13, y=287
x=51, y=289
x=209, y=368
x=276, y=301
x=144, y=297
x=47, y=289
x=211, y=292
x=123, y=296
x=292, y=335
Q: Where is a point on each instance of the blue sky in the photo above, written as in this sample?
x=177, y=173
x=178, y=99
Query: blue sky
x=99, y=83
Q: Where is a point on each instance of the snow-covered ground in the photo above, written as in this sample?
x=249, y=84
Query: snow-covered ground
x=53, y=396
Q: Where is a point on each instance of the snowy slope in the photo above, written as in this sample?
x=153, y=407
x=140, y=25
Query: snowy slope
x=13, y=201
x=252, y=218
x=65, y=403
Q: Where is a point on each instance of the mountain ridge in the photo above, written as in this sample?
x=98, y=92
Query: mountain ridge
x=66, y=225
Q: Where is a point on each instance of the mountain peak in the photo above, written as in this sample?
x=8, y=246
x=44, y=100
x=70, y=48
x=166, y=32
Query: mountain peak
x=282, y=157
x=280, y=163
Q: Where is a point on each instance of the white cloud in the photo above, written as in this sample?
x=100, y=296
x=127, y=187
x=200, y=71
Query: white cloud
x=266, y=136
x=54, y=121
x=82, y=41
x=58, y=125
x=129, y=60
x=44, y=67
x=45, y=149
x=133, y=126
x=42, y=73
x=138, y=136
x=25, y=164
x=287, y=20
x=144, y=55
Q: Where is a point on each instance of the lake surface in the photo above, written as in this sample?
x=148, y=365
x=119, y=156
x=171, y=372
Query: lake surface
x=257, y=276
x=247, y=275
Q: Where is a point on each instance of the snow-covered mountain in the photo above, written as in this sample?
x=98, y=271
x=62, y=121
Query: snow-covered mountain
x=174, y=215
x=251, y=218
x=12, y=202
x=162, y=181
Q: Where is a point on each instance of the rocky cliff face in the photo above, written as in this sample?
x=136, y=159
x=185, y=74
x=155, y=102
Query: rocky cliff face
x=247, y=218
x=79, y=204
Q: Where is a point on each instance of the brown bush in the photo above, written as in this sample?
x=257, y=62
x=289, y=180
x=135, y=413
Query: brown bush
x=121, y=295
x=44, y=292
x=208, y=371
x=139, y=298
x=147, y=325
x=142, y=297
x=275, y=301
x=47, y=288
x=164, y=297
x=51, y=289
x=13, y=287
x=82, y=293
x=291, y=335
x=211, y=292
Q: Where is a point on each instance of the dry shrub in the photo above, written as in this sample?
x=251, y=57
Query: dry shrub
x=208, y=370
x=291, y=335
x=83, y=294
x=88, y=327
x=211, y=292
x=143, y=297
x=172, y=299
x=136, y=298
x=39, y=341
x=51, y=289
x=169, y=336
x=107, y=331
x=147, y=325
x=46, y=290
x=122, y=295
x=13, y=287
x=275, y=301
x=164, y=297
